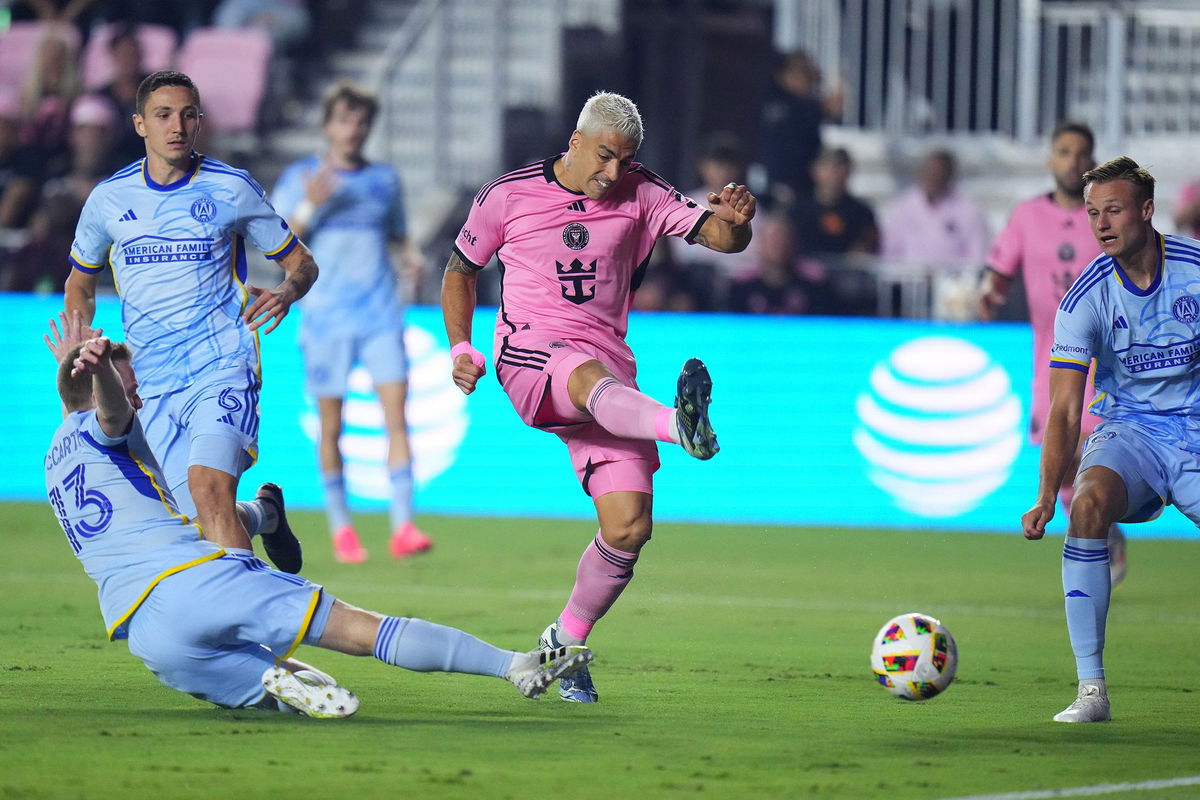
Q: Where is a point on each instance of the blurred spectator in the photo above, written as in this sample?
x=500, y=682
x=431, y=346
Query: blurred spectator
x=286, y=21
x=932, y=222
x=782, y=282
x=126, y=52
x=49, y=89
x=697, y=273
x=790, y=127
x=93, y=124
x=38, y=265
x=1187, y=210
x=673, y=285
x=833, y=221
x=20, y=165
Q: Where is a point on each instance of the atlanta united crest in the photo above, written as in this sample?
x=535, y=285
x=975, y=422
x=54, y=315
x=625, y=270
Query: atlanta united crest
x=575, y=236
x=1186, y=309
x=204, y=209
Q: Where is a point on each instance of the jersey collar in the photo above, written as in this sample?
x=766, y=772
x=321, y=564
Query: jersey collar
x=166, y=187
x=548, y=172
x=1132, y=287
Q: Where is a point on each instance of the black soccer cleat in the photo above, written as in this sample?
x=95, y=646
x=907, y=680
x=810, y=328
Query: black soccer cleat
x=693, y=393
x=282, y=546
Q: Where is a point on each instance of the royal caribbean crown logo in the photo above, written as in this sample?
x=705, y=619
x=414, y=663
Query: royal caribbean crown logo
x=939, y=426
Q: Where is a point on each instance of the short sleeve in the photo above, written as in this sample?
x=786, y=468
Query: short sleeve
x=1075, y=338
x=91, y=426
x=1005, y=255
x=668, y=212
x=482, y=234
x=89, y=250
x=261, y=224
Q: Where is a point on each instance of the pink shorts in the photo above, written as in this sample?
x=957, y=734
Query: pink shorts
x=534, y=369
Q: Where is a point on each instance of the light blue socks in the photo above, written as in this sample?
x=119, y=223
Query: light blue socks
x=1086, y=588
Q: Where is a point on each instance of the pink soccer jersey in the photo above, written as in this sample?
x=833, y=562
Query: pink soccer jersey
x=570, y=265
x=1050, y=245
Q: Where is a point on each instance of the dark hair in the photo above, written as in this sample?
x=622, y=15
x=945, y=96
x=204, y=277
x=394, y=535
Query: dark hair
x=723, y=147
x=1123, y=168
x=350, y=94
x=76, y=391
x=1077, y=128
x=157, y=80
x=838, y=154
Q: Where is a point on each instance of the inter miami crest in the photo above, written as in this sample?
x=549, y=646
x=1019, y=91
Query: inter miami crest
x=574, y=277
x=1066, y=252
x=575, y=236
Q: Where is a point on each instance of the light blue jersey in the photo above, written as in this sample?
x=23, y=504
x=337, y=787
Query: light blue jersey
x=358, y=293
x=1145, y=342
x=120, y=521
x=178, y=257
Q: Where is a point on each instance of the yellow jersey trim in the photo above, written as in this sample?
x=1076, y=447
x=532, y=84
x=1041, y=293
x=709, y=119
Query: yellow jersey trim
x=312, y=609
x=282, y=247
x=180, y=568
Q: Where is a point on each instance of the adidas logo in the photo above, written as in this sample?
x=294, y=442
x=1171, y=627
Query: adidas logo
x=1077, y=593
x=128, y=216
x=576, y=206
x=1120, y=324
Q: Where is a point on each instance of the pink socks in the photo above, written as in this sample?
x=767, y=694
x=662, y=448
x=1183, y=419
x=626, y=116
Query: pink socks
x=602, y=575
x=627, y=412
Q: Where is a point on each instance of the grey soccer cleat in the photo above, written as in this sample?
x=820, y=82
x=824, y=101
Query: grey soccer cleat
x=576, y=687
x=1090, y=706
x=308, y=693
x=533, y=672
x=282, y=546
x=693, y=393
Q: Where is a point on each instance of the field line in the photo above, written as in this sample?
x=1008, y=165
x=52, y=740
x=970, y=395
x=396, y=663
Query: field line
x=1088, y=791
x=649, y=596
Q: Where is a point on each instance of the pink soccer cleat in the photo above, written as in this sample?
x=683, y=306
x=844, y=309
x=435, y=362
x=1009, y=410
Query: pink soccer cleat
x=408, y=540
x=346, y=547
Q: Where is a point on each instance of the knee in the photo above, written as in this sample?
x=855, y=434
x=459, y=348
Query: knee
x=1091, y=514
x=630, y=535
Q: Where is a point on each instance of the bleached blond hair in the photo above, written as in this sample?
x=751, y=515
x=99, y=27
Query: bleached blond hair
x=607, y=111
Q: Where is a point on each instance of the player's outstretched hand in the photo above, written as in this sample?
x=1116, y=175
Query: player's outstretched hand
x=270, y=305
x=734, y=204
x=1034, y=520
x=93, y=353
x=467, y=373
x=73, y=332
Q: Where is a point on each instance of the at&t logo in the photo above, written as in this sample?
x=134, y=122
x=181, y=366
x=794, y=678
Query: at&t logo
x=939, y=426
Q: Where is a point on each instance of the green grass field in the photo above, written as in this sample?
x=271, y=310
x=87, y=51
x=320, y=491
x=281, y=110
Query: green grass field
x=735, y=666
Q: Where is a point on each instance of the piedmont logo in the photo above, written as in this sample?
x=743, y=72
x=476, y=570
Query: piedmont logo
x=436, y=415
x=939, y=426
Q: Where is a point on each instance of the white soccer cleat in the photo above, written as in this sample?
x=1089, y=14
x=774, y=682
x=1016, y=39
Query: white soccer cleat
x=308, y=692
x=1090, y=706
x=533, y=672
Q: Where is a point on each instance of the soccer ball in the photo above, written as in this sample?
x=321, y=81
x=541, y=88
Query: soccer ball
x=914, y=656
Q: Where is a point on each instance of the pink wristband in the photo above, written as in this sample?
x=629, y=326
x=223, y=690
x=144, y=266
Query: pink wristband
x=465, y=347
